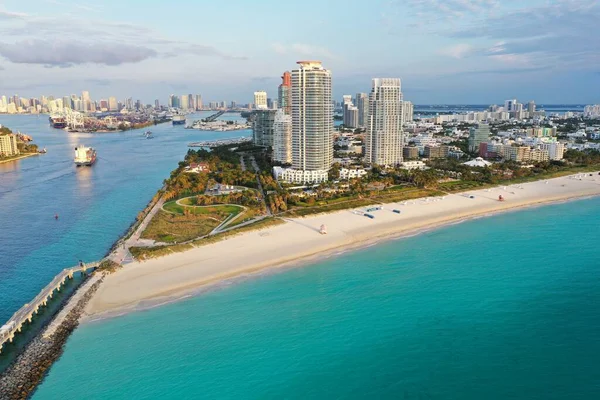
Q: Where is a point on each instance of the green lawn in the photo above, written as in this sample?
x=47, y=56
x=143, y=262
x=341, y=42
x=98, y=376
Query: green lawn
x=214, y=210
x=174, y=228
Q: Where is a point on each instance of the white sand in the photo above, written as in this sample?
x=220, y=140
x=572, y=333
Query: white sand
x=177, y=274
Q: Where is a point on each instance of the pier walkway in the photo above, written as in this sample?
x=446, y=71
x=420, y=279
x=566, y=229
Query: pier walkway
x=26, y=313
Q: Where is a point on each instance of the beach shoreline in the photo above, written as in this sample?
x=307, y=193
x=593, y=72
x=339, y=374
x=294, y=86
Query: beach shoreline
x=148, y=284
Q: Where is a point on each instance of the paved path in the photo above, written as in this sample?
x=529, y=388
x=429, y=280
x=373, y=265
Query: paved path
x=27, y=312
x=262, y=192
x=121, y=254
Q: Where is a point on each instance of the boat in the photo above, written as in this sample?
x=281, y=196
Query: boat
x=148, y=135
x=58, y=122
x=43, y=151
x=178, y=119
x=84, y=156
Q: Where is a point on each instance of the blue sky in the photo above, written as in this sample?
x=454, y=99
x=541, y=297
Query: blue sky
x=445, y=51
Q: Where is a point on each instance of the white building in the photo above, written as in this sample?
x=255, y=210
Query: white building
x=383, y=139
x=347, y=173
x=592, y=111
x=312, y=119
x=413, y=165
x=555, y=150
x=478, y=162
x=292, y=175
x=8, y=144
x=260, y=100
x=282, y=137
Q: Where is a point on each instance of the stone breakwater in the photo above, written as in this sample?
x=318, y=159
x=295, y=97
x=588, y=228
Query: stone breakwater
x=20, y=379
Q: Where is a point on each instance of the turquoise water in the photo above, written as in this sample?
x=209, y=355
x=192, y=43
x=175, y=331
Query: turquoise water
x=95, y=205
x=504, y=307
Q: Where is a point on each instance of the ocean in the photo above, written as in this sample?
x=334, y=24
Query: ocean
x=95, y=205
x=504, y=307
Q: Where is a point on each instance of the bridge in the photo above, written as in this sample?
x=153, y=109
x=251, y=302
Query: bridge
x=213, y=117
x=26, y=313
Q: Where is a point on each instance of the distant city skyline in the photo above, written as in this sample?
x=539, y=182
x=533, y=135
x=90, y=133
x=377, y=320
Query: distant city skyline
x=446, y=52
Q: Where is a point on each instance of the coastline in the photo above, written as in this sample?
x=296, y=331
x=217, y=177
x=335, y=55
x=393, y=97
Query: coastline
x=143, y=285
x=19, y=158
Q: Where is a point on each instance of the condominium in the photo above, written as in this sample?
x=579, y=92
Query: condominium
x=262, y=127
x=284, y=99
x=555, y=150
x=350, y=115
x=478, y=135
x=282, y=137
x=383, y=140
x=260, y=100
x=312, y=118
x=8, y=145
x=407, y=111
x=362, y=104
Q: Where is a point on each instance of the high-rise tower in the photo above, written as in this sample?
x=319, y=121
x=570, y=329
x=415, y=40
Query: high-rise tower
x=284, y=100
x=312, y=117
x=383, y=140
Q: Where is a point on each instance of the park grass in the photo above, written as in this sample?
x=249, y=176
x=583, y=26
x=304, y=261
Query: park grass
x=172, y=228
x=221, y=210
x=146, y=253
x=344, y=203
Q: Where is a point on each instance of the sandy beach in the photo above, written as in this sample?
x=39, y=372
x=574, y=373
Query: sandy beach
x=156, y=281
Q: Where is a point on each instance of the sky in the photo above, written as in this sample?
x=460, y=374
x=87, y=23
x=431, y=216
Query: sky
x=445, y=51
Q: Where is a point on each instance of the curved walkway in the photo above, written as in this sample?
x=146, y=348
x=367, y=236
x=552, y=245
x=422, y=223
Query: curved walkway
x=223, y=225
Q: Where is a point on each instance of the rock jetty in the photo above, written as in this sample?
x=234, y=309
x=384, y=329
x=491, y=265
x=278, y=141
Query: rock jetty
x=20, y=379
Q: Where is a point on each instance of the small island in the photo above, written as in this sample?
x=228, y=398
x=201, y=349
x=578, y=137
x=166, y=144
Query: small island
x=14, y=146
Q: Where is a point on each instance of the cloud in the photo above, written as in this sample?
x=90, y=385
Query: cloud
x=499, y=71
x=209, y=51
x=8, y=15
x=460, y=50
x=100, y=82
x=302, y=49
x=69, y=53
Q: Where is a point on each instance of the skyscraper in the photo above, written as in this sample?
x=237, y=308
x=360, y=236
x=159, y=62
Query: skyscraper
x=199, y=105
x=185, y=102
x=86, y=100
x=407, y=111
x=312, y=117
x=383, y=140
x=262, y=128
x=531, y=107
x=509, y=105
x=362, y=104
x=260, y=100
x=350, y=115
x=284, y=99
x=477, y=135
x=282, y=137
x=112, y=104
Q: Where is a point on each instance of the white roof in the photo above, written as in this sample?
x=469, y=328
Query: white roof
x=478, y=162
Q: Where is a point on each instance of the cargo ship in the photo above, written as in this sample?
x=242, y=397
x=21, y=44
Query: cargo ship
x=178, y=119
x=58, y=122
x=84, y=156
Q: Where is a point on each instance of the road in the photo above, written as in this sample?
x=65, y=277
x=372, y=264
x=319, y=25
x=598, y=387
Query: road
x=262, y=192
